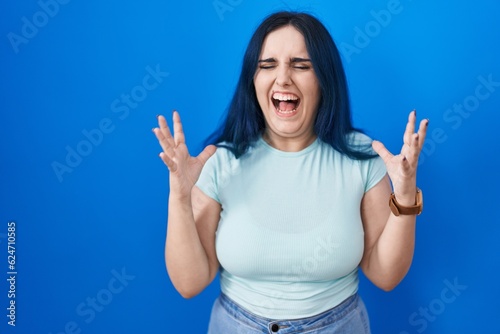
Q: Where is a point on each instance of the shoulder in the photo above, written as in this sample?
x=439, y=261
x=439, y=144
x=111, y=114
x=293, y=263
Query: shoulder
x=357, y=142
x=358, y=138
x=222, y=157
x=228, y=151
x=225, y=158
x=361, y=143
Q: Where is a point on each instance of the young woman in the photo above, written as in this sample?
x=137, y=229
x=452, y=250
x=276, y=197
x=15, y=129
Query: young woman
x=292, y=199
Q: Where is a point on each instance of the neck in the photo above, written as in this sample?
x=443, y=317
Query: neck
x=289, y=144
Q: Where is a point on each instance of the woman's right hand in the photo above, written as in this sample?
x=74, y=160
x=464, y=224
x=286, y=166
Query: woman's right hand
x=184, y=169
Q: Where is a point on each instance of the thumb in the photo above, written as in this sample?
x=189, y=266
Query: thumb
x=206, y=153
x=381, y=150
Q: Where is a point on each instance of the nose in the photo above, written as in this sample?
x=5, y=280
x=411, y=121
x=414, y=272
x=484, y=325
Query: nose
x=283, y=78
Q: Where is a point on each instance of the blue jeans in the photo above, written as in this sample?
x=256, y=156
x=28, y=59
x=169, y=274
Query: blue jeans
x=350, y=317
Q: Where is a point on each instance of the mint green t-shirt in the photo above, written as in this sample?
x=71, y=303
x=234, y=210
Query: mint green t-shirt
x=290, y=236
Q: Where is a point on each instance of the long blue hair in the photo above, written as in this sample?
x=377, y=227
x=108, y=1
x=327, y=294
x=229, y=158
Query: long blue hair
x=244, y=122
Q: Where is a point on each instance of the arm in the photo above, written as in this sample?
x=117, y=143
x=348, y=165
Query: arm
x=192, y=216
x=390, y=240
x=190, y=243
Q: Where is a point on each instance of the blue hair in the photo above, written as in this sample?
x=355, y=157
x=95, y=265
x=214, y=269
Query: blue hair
x=245, y=123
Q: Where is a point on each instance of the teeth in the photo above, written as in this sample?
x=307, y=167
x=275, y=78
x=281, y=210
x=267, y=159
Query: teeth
x=286, y=111
x=285, y=97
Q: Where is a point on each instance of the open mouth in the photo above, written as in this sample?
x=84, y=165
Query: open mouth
x=285, y=103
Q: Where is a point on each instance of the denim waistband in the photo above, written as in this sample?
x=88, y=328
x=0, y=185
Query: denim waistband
x=287, y=326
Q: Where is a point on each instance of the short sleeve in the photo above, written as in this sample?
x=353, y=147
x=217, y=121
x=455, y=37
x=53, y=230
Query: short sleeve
x=373, y=170
x=207, y=182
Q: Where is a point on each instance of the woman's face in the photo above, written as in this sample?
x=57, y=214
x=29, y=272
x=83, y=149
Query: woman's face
x=287, y=88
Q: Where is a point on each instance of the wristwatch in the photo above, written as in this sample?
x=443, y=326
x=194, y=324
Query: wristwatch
x=397, y=209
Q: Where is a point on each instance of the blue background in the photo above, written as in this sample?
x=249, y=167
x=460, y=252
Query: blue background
x=104, y=216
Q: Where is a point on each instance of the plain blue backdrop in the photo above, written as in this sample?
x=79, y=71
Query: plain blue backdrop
x=82, y=82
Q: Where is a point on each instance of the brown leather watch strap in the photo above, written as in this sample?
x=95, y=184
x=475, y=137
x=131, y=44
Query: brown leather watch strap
x=398, y=209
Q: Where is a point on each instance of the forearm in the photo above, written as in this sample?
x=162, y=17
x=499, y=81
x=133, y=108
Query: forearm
x=186, y=259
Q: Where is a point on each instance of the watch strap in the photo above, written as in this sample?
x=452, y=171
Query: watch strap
x=398, y=209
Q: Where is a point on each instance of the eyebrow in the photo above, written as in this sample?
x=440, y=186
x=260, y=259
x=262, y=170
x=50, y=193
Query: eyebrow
x=268, y=60
x=300, y=60
x=292, y=60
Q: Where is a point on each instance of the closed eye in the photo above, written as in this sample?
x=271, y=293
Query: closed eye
x=297, y=63
x=301, y=63
x=266, y=67
x=267, y=63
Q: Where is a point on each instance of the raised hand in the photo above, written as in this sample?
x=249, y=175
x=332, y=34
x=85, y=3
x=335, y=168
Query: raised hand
x=184, y=169
x=402, y=167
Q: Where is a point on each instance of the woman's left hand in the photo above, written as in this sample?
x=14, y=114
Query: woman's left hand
x=402, y=167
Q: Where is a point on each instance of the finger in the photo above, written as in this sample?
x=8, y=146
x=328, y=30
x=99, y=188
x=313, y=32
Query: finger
x=178, y=131
x=414, y=149
x=422, y=131
x=410, y=127
x=165, y=144
x=405, y=166
x=165, y=130
x=382, y=151
x=206, y=153
x=158, y=134
x=172, y=166
x=403, y=170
